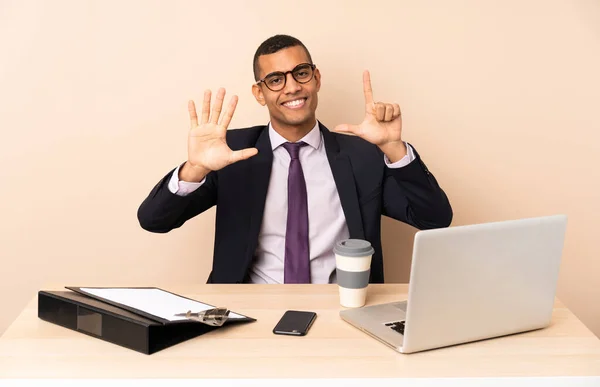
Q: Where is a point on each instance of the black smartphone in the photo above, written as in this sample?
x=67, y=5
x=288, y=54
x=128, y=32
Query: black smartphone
x=295, y=322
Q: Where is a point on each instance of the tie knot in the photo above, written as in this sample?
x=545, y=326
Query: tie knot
x=293, y=148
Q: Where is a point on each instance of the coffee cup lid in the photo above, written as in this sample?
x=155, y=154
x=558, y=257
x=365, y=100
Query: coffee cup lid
x=353, y=248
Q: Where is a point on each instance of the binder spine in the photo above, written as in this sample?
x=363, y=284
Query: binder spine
x=94, y=322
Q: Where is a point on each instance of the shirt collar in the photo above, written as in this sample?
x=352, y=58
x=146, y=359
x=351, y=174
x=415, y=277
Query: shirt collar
x=312, y=138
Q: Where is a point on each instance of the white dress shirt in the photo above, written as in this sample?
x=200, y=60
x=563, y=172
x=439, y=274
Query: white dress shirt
x=326, y=220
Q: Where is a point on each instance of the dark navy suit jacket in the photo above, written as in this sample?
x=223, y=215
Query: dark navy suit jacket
x=367, y=189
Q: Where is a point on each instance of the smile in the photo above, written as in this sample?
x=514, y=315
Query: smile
x=295, y=104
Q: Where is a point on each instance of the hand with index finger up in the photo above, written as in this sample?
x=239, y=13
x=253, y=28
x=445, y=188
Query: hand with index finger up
x=382, y=124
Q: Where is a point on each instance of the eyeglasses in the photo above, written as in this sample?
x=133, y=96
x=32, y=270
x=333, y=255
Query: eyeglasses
x=303, y=73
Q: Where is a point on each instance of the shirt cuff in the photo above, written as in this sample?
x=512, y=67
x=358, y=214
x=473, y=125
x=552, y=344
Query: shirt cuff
x=180, y=187
x=410, y=156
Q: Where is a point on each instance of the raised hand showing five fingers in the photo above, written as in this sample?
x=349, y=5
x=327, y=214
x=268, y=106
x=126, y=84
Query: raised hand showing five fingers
x=207, y=146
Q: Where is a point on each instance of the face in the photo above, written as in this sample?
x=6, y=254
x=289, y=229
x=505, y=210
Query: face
x=296, y=103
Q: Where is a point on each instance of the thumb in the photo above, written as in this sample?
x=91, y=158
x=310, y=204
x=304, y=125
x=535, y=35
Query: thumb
x=242, y=155
x=347, y=128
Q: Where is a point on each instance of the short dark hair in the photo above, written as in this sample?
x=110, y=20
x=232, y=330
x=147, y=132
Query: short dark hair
x=274, y=44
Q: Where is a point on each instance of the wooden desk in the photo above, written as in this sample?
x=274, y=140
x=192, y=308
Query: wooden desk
x=34, y=348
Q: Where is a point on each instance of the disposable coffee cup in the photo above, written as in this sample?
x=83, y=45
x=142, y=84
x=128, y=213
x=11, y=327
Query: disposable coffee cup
x=353, y=267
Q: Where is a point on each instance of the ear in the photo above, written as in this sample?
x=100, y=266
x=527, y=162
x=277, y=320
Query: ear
x=318, y=79
x=258, y=94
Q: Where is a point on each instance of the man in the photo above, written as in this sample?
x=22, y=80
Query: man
x=287, y=192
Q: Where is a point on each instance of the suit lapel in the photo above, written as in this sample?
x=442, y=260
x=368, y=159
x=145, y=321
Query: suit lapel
x=344, y=181
x=259, y=175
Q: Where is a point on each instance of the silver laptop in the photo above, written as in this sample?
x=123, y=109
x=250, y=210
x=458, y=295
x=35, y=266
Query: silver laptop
x=470, y=283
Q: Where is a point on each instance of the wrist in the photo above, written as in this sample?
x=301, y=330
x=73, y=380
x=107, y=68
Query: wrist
x=394, y=150
x=191, y=173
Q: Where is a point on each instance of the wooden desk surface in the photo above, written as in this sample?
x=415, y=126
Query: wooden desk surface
x=34, y=348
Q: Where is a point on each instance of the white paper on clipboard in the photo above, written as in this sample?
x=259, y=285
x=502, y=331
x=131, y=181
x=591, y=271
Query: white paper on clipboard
x=154, y=301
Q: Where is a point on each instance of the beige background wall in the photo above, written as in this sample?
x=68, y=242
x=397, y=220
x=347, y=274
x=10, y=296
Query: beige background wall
x=501, y=98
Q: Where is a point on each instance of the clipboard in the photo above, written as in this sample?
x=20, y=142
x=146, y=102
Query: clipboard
x=150, y=302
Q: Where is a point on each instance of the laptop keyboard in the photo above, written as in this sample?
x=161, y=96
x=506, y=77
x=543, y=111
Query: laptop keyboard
x=397, y=326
